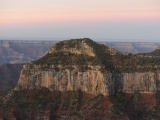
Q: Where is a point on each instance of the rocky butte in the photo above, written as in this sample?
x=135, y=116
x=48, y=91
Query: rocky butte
x=82, y=64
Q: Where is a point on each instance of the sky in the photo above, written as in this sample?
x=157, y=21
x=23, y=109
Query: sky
x=110, y=20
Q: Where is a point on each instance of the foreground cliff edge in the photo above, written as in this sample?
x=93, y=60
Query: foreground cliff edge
x=85, y=65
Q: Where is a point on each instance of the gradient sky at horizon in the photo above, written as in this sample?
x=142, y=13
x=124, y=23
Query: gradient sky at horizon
x=123, y=20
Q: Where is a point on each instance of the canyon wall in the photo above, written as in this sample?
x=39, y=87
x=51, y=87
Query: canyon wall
x=9, y=75
x=134, y=47
x=16, y=51
x=90, y=81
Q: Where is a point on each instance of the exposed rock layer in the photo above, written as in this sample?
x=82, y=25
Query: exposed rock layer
x=90, y=81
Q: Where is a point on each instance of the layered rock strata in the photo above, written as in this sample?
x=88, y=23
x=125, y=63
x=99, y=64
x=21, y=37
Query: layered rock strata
x=90, y=81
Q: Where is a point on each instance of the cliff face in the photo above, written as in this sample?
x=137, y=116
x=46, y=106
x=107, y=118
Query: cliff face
x=90, y=81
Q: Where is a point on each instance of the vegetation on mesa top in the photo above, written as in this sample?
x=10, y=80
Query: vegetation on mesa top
x=67, y=58
x=103, y=57
x=102, y=54
x=73, y=43
x=150, y=60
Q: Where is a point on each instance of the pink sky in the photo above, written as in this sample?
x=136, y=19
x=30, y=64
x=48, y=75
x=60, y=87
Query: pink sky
x=46, y=18
x=35, y=12
x=49, y=11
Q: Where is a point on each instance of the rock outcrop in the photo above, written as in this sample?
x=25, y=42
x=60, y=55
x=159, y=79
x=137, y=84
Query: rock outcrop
x=87, y=66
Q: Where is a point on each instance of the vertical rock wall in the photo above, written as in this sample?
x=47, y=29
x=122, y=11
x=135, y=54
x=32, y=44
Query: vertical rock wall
x=91, y=81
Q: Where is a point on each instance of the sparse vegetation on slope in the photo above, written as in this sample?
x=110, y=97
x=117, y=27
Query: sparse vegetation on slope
x=63, y=53
x=73, y=52
x=42, y=103
x=67, y=58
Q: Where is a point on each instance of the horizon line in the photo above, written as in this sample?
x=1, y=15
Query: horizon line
x=95, y=39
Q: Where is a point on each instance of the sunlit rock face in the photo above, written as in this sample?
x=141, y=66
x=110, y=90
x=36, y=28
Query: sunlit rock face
x=90, y=81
